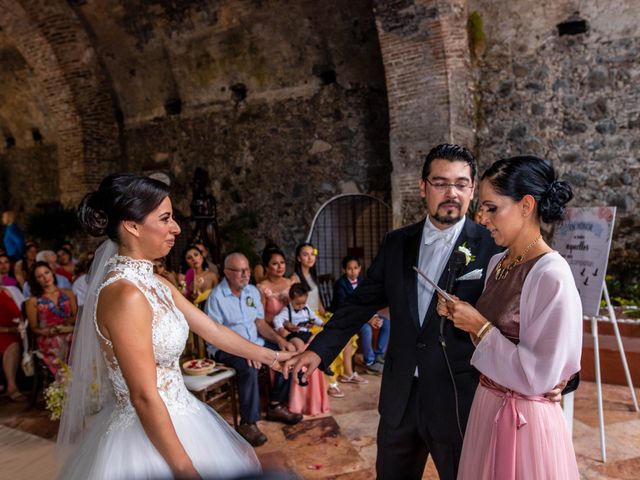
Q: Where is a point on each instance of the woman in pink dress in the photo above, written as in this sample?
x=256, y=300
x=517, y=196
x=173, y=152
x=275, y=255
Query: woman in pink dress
x=52, y=313
x=527, y=326
x=274, y=289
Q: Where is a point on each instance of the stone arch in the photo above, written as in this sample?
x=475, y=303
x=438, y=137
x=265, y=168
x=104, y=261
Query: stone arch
x=75, y=88
x=426, y=58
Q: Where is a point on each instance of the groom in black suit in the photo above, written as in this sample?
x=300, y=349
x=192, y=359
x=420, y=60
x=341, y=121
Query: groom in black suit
x=424, y=405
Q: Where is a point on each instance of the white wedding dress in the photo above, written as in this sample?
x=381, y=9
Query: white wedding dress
x=115, y=445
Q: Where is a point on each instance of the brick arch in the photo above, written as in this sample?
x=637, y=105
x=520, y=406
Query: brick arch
x=74, y=86
x=426, y=58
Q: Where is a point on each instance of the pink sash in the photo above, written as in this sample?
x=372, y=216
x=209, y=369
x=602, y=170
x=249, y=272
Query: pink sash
x=507, y=422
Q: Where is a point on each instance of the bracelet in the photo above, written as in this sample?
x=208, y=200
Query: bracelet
x=483, y=330
x=275, y=359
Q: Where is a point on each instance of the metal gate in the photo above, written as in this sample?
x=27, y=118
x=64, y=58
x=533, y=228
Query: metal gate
x=350, y=224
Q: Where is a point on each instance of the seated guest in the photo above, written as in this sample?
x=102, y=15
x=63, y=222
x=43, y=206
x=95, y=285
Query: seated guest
x=236, y=304
x=160, y=267
x=22, y=267
x=65, y=263
x=10, y=342
x=50, y=258
x=274, y=287
x=198, y=278
x=344, y=288
x=295, y=319
x=51, y=312
x=6, y=279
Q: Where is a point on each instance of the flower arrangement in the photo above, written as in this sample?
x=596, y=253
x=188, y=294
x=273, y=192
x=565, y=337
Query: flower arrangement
x=469, y=256
x=55, y=393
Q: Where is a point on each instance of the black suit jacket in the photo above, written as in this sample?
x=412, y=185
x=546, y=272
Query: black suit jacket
x=341, y=290
x=392, y=281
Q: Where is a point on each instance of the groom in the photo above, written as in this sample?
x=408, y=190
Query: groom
x=420, y=409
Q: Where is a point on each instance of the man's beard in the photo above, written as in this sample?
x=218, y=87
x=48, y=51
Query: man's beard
x=449, y=218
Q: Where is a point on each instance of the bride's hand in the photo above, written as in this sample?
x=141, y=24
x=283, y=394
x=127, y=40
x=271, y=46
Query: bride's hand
x=282, y=358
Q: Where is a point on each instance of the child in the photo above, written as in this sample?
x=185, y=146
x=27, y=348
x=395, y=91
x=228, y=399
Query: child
x=344, y=288
x=294, y=319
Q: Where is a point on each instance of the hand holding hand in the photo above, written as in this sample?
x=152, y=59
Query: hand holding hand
x=305, y=362
x=281, y=359
x=555, y=395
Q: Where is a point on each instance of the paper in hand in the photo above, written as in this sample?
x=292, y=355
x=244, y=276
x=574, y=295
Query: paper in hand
x=434, y=284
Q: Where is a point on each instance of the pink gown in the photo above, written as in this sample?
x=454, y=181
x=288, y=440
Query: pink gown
x=513, y=431
x=312, y=399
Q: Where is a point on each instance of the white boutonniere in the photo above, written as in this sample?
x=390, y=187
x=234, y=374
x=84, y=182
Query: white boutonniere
x=469, y=257
x=250, y=302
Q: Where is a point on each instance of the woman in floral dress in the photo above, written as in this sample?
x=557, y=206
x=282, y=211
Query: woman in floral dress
x=52, y=313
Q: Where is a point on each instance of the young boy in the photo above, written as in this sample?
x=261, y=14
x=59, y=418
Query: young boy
x=294, y=320
x=343, y=288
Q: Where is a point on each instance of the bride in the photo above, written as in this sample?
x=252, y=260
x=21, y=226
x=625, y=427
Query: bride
x=128, y=413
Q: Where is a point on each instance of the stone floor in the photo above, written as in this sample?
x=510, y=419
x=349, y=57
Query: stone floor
x=341, y=445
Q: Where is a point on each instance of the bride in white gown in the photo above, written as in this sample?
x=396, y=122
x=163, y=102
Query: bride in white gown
x=128, y=414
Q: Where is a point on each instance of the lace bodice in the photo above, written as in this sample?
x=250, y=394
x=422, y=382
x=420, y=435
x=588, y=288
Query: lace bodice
x=169, y=331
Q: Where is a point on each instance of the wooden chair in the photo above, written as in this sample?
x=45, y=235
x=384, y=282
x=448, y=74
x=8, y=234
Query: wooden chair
x=218, y=389
x=325, y=288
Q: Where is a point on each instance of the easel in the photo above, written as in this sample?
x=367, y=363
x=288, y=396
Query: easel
x=568, y=399
x=585, y=240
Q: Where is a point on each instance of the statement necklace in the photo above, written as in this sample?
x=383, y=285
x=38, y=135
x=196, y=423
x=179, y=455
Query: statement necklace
x=501, y=273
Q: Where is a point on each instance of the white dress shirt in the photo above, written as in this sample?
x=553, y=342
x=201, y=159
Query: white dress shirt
x=436, y=247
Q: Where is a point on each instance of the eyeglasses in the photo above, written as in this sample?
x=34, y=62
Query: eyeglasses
x=241, y=271
x=443, y=187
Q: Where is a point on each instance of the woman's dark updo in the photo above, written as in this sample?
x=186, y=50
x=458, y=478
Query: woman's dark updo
x=516, y=177
x=121, y=196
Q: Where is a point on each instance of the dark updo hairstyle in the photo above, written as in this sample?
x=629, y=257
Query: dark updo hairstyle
x=268, y=252
x=36, y=288
x=121, y=196
x=516, y=177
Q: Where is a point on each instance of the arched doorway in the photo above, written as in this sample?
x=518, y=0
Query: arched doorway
x=349, y=224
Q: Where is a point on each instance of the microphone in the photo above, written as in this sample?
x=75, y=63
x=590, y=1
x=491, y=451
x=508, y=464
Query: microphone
x=457, y=262
x=456, y=265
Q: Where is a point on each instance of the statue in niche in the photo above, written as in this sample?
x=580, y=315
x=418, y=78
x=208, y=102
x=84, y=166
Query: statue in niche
x=205, y=215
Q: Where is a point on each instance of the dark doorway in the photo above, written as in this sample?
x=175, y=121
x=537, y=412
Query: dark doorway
x=351, y=224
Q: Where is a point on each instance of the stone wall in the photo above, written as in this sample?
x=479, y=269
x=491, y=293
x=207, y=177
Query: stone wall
x=426, y=57
x=28, y=179
x=572, y=99
x=283, y=104
x=279, y=161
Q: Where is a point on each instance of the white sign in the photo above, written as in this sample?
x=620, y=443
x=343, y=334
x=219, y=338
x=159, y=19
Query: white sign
x=584, y=239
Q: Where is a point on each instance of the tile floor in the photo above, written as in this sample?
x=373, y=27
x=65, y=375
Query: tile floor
x=341, y=444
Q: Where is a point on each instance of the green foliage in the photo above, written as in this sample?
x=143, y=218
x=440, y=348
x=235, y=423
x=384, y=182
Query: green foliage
x=52, y=225
x=475, y=29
